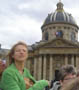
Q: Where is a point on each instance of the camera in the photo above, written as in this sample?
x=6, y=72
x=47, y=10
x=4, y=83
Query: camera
x=56, y=85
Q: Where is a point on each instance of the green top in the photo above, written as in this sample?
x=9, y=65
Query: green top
x=13, y=80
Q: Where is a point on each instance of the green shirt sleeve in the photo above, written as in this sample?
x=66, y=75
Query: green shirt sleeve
x=39, y=85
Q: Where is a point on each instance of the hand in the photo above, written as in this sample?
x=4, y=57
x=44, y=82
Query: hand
x=49, y=83
x=28, y=83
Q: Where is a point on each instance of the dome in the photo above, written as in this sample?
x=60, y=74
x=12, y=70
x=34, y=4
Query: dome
x=59, y=16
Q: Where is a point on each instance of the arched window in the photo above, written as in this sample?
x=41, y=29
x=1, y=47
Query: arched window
x=59, y=33
x=46, y=36
x=72, y=36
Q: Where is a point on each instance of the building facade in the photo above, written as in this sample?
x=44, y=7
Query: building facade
x=59, y=45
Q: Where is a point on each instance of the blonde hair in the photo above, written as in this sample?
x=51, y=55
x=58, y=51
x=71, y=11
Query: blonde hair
x=11, y=59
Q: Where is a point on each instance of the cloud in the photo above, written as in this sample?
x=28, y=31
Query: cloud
x=19, y=28
x=22, y=19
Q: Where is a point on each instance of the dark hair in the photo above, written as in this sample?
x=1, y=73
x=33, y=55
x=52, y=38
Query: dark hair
x=11, y=59
x=65, y=70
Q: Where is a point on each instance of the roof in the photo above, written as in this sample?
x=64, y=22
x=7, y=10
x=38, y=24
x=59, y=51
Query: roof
x=60, y=16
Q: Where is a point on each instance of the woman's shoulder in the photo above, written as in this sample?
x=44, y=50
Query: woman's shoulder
x=10, y=69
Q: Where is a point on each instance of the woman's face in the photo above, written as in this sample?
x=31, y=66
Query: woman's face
x=20, y=53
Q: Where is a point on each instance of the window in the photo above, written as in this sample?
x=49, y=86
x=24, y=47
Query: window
x=59, y=34
x=73, y=36
x=54, y=27
x=46, y=36
x=65, y=27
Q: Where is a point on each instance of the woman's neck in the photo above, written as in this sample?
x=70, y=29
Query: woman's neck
x=19, y=66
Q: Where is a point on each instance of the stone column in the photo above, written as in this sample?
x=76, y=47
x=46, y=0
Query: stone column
x=44, y=67
x=66, y=59
x=77, y=62
x=28, y=64
x=51, y=67
x=35, y=68
x=39, y=67
x=73, y=60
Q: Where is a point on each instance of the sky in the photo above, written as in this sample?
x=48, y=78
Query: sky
x=21, y=20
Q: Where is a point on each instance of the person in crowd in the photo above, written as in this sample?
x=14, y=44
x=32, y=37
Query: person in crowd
x=16, y=77
x=72, y=85
x=2, y=67
x=78, y=73
x=66, y=73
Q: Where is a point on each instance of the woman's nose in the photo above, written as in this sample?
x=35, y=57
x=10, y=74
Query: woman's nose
x=21, y=51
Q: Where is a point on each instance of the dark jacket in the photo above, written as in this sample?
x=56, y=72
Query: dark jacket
x=54, y=86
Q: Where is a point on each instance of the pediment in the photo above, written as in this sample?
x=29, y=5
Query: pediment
x=60, y=43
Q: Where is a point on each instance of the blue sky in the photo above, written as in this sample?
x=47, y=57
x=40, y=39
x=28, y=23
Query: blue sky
x=21, y=20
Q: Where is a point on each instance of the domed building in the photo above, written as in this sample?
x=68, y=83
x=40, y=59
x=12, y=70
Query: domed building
x=59, y=45
x=60, y=24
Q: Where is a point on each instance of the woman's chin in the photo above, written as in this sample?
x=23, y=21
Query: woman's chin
x=20, y=60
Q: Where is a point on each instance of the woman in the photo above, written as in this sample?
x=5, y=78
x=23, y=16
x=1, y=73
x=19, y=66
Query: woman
x=16, y=77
